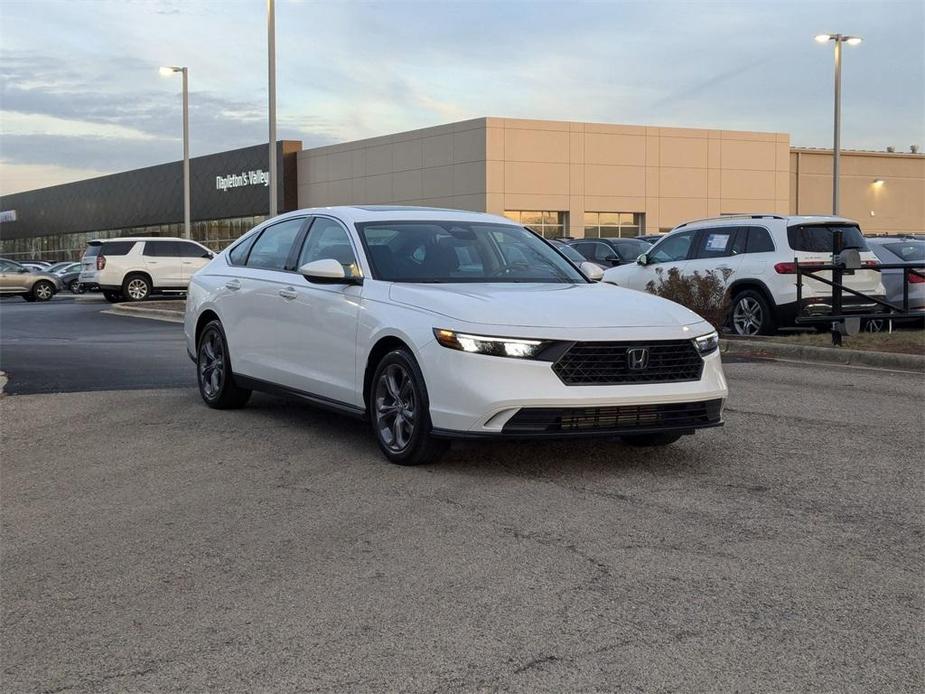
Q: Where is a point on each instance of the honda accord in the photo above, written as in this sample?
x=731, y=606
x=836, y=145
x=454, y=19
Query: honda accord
x=436, y=324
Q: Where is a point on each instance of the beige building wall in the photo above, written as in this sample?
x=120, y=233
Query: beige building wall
x=670, y=174
x=502, y=164
x=442, y=166
x=894, y=206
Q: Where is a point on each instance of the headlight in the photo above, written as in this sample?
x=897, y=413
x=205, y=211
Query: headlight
x=513, y=347
x=707, y=344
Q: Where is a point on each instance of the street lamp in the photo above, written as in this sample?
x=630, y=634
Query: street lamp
x=167, y=72
x=839, y=39
x=271, y=91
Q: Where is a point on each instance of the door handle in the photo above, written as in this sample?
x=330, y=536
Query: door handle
x=288, y=293
x=233, y=285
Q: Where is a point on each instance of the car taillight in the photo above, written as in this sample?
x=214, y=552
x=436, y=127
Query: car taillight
x=100, y=262
x=791, y=268
x=916, y=279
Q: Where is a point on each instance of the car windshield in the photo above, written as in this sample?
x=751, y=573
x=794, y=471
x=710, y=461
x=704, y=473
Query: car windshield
x=907, y=251
x=449, y=251
x=817, y=238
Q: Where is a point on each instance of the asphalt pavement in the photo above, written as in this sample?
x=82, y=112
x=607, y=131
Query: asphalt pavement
x=72, y=345
x=153, y=544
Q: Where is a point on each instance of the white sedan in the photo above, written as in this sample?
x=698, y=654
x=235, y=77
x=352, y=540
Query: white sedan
x=435, y=324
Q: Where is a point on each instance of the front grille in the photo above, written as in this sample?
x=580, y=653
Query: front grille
x=552, y=420
x=606, y=363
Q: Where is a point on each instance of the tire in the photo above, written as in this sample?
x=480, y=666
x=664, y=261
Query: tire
x=112, y=297
x=650, y=440
x=751, y=314
x=399, y=411
x=42, y=291
x=74, y=287
x=136, y=288
x=213, y=371
x=873, y=325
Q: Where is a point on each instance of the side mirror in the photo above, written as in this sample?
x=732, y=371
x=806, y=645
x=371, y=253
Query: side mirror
x=327, y=271
x=612, y=260
x=592, y=272
x=643, y=259
x=23, y=270
x=210, y=255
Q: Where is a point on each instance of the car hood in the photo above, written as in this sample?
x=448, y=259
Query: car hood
x=544, y=305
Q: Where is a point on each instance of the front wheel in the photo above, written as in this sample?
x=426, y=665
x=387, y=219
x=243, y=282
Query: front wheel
x=75, y=287
x=400, y=411
x=43, y=291
x=650, y=440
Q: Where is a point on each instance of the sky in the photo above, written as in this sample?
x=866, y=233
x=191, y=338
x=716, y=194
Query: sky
x=81, y=96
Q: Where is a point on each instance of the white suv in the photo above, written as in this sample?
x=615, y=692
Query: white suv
x=131, y=269
x=759, y=252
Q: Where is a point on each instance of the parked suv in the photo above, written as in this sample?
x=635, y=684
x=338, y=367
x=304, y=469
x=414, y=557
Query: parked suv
x=131, y=269
x=759, y=252
x=31, y=285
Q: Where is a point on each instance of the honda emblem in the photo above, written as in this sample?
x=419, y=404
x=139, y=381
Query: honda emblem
x=637, y=358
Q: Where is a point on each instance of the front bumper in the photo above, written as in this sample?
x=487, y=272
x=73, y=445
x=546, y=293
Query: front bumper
x=474, y=395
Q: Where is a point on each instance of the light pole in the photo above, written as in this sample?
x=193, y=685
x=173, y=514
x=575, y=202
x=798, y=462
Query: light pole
x=839, y=39
x=271, y=89
x=166, y=72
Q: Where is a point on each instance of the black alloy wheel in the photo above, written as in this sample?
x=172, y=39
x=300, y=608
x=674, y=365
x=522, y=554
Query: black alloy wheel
x=400, y=411
x=213, y=371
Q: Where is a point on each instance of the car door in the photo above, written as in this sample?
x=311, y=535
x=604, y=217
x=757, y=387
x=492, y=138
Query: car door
x=11, y=277
x=163, y=263
x=717, y=249
x=253, y=306
x=672, y=251
x=320, y=345
x=192, y=258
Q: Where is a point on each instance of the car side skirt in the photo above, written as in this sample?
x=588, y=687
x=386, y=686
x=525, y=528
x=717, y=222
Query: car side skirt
x=287, y=392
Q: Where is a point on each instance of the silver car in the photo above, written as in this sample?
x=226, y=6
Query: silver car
x=19, y=280
x=906, y=251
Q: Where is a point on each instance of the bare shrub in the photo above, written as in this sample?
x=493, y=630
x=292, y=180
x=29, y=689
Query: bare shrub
x=704, y=293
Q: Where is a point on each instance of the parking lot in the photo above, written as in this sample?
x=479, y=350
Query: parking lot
x=153, y=544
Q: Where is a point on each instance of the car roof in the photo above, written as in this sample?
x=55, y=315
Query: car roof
x=391, y=213
x=733, y=219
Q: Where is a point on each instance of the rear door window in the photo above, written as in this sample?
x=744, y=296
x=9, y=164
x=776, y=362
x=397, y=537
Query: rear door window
x=161, y=249
x=817, y=238
x=715, y=243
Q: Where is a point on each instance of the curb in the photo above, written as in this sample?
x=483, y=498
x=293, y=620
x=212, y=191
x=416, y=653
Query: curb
x=144, y=312
x=825, y=355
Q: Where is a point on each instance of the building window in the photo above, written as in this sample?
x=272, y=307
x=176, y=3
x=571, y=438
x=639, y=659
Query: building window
x=548, y=224
x=611, y=224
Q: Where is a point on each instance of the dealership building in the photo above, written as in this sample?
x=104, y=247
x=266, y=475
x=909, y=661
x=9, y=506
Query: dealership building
x=560, y=178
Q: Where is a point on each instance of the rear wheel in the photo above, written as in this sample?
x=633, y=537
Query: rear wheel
x=213, y=371
x=75, y=287
x=400, y=411
x=43, y=291
x=136, y=288
x=874, y=325
x=650, y=440
x=751, y=314
x=112, y=297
